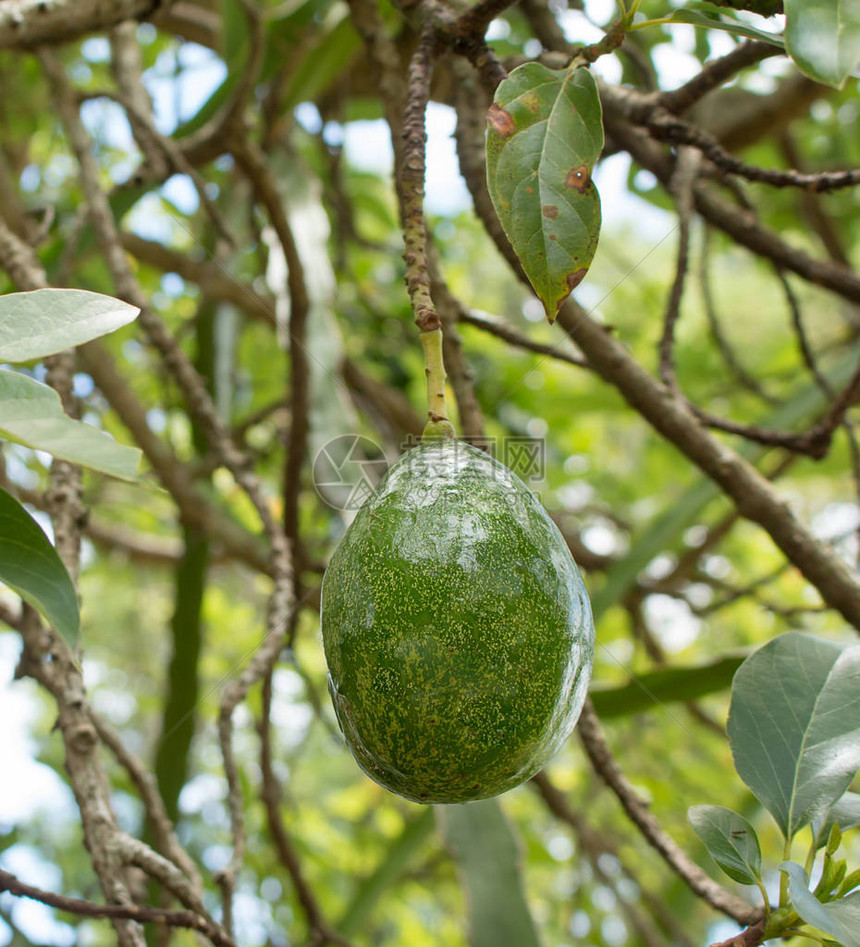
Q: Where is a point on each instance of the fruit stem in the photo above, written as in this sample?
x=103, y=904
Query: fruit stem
x=438, y=424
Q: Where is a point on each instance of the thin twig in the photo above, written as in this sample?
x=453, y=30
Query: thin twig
x=162, y=828
x=595, y=843
x=665, y=127
x=750, y=937
x=496, y=326
x=321, y=932
x=683, y=181
x=132, y=912
x=717, y=72
x=281, y=601
x=754, y=497
x=744, y=228
x=734, y=365
x=591, y=736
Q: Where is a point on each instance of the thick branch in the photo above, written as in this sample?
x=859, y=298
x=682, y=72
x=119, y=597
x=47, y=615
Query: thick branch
x=29, y=23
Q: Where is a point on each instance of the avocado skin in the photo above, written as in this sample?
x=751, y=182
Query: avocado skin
x=457, y=629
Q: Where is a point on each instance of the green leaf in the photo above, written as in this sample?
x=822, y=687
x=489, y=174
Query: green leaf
x=823, y=38
x=793, y=726
x=850, y=882
x=30, y=566
x=45, y=321
x=31, y=414
x=390, y=868
x=730, y=840
x=649, y=690
x=845, y=813
x=839, y=918
x=236, y=34
x=323, y=62
x=544, y=134
x=484, y=847
x=694, y=18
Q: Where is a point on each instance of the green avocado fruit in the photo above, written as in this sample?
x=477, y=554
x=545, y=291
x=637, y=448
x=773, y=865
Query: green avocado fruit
x=456, y=627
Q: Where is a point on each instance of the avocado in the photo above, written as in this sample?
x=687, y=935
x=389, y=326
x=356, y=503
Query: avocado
x=456, y=627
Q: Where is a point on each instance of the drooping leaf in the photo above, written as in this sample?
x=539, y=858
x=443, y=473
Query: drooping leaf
x=544, y=134
x=485, y=849
x=30, y=566
x=794, y=722
x=31, y=414
x=648, y=690
x=845, y=813
x=726, y=25
x=840, y=918
x=823, y=38
x=45, y=321
x=730, y=840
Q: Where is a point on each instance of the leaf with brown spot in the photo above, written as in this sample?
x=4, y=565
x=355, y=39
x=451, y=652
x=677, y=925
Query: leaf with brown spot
x=544, y=135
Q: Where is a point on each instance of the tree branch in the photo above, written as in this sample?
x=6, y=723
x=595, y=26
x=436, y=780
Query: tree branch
x=591, y=736
x=754, y=497
x=132, y=912
x=25, y=24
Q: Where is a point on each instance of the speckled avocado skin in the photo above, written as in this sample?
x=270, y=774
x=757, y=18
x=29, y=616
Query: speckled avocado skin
x=457, y=629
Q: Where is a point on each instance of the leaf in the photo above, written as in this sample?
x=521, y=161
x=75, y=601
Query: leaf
x=390, y=868
x=823, y=38
x=323, y=62
x=794, y=723
x=485, y=850
x=694, y=18
x=730, y=840
x=45, y=321
x=544, y=134
x=653, y=688
x=845, y=813
x=30, y=566
x=839, y=918
x=31, y=414
x=236, y=34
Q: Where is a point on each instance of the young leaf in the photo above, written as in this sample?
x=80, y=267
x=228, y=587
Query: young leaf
x=30, y=566
x=823, y=38
x=485, y=849
x=544, y=134
x=849, y=883
x=735, y=27
x=31, y=414
x=793, y=722
x=839, y=918
x=845, y=813
x=730, y=840
x=45, y=321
